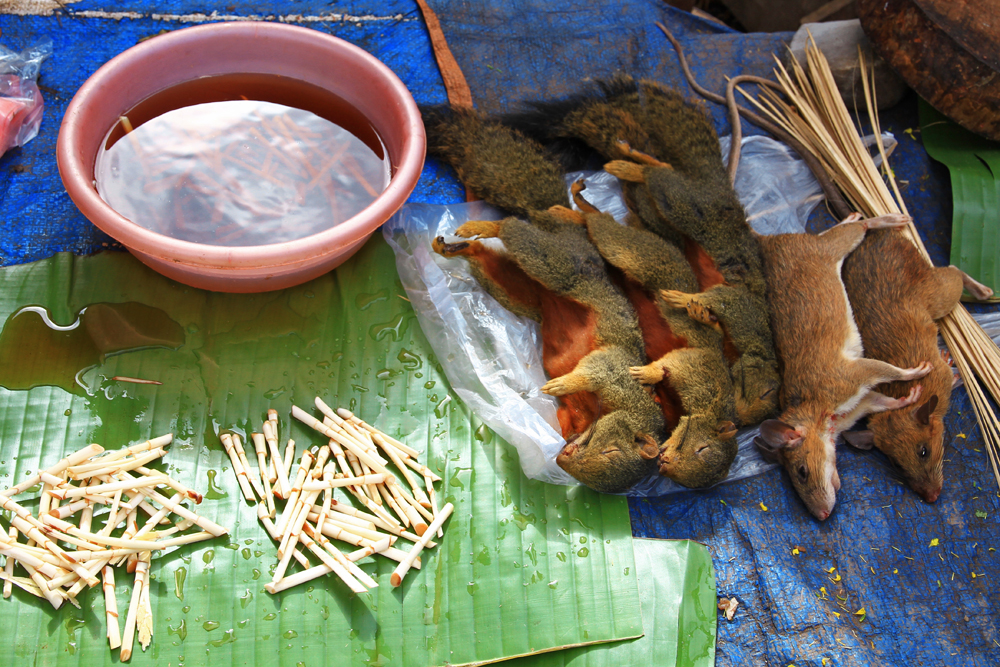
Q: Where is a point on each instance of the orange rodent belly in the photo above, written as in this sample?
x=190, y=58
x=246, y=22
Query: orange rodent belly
x=658, y=339
x=567, y=333
x=703, y=266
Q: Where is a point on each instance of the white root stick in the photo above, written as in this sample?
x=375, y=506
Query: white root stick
x=260, y=448
x=242, y=454
x=289, y=459
x=128, y=633
x=241, y=473
x=88, y=479
x=355, y=449
x=111, y=608
x=397, y=575
x=8, y=569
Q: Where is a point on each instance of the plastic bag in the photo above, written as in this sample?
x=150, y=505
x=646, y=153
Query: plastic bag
x=493, y=358
x=21, y=104
x=776, y=188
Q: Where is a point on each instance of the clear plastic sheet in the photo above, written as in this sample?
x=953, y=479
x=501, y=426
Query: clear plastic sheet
x=777, y=190
x=21, y=104
x=493, y=358
x=217, y=173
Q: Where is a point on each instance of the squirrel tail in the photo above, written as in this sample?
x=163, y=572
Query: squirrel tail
x=680, y=131
x=497, y=163
x=621, y=113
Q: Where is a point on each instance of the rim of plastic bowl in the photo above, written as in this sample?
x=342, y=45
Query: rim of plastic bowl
x=77, y=169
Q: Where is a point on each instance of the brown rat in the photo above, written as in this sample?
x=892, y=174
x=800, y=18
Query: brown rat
x=826, y=385
x=897, y=296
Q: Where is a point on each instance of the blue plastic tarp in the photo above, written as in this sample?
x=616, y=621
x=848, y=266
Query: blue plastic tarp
x=800, y=583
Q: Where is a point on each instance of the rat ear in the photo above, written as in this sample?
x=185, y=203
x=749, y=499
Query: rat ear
x=766, y=452
x=777, y=434
x=923, y=413
x=859, y=439
x=648, y=449
x=725, y=430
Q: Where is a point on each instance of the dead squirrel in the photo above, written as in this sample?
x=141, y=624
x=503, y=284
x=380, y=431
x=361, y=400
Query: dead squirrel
x=897, y=296
x=675, y=183
x=622, y=444
x=702, y=447
x=590, y=332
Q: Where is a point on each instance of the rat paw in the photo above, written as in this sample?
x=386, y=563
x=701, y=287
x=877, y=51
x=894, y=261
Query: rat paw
x=696, y=310
x=675, y=299
x=484, y=229
x=576, y=190
x=450, y=249
x=568, y=215
x=918, y=372
x=978, y=290
x=946, y=357
x=626, y=171
x=912, y=397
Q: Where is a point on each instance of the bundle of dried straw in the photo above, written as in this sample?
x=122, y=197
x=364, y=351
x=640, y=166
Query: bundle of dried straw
x=809, y=107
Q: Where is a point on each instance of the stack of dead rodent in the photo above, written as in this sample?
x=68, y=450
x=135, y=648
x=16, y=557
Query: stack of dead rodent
x=667, y=154
x=607, y=327
x=827, y=385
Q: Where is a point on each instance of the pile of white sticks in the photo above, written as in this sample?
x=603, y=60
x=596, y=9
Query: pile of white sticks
x=352, y=460
x=76, y=488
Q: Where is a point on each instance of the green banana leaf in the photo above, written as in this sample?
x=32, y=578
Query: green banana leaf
x=523, y=566
x=974, y=165
x=679, y=619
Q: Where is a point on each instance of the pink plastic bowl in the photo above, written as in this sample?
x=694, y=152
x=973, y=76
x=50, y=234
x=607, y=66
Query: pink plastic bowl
x=247, y=47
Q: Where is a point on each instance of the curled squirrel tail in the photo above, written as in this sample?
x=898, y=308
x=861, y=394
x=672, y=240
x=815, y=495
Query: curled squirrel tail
x=499, y=164
x=681, y=132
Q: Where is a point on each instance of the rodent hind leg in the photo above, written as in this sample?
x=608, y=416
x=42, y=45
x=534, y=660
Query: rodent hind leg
x=871, y=372
x=841, y=239
x=974, y=287
x=560, y=259
x=940, y=290
x=640, y=157
x=874, y=402
x=887, y=221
